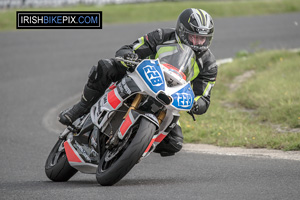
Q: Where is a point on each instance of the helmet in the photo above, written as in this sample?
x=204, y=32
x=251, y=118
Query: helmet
x=195, y=28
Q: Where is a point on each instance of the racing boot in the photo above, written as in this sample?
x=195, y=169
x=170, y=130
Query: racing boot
x=88, y=99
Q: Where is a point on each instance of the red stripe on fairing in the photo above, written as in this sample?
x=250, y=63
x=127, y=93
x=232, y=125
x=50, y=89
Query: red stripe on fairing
x=113, y=86
x=125, y=125
x=72, y=157
x=150, y=145
x=113, y=99
x=160, y=137
x=169, y=66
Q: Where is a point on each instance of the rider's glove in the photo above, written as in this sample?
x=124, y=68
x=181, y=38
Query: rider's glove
x=195, y=108
x=131, y=57
x=200, y=106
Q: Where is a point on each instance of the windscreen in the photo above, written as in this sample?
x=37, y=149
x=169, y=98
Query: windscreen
x=179, y=58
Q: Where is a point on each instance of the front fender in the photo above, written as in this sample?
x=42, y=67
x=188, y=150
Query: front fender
x=132, y=118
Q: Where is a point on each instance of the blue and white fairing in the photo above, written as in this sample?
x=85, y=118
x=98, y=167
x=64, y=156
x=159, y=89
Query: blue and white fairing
x=184, y=98
x=151, y=72
x=156, y=75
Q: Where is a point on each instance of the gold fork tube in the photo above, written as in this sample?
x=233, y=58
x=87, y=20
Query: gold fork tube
x=161, y=116
x=137, y=100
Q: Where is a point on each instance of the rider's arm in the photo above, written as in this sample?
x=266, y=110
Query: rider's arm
x=146, y=45
x=204, y=82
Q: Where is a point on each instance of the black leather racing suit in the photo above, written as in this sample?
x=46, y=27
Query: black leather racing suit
x=109, y=70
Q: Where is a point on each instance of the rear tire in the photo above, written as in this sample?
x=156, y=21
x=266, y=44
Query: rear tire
x=57, y=167
x=110, y=172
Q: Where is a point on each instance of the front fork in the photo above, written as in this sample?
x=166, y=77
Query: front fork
x=114, y=139
x=137, y=100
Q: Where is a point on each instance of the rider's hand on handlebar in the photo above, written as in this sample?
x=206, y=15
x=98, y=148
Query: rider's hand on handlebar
x=195, y=107
x=131, y=57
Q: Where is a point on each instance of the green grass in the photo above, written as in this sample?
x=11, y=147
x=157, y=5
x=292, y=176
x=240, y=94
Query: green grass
x=163, y=11
x=249, y=115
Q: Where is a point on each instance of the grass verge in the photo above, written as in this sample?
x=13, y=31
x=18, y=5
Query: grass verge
x=255, y=104
x=163, y=11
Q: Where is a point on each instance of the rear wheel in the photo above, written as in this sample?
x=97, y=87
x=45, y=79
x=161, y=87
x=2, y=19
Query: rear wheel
x=57, y=167
x=117, y=162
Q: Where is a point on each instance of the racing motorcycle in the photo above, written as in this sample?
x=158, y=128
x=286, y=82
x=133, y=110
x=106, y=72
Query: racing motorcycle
x=127, y=123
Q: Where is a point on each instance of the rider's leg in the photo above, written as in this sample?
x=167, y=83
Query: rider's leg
x=172, y=143
x=88, y=98
x=100, y=77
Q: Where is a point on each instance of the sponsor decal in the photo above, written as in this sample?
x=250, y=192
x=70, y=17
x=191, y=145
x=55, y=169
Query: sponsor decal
x=123, y=88
x=82, y=151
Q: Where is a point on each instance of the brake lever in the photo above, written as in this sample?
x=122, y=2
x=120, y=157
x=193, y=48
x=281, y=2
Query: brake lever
x=192, y=114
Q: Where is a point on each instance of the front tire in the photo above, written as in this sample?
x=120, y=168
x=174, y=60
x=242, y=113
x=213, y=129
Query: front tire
x=57, y=167
x=110, y=172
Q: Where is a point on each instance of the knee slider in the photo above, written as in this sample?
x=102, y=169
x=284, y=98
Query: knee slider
x=175, y=144
x=172, y=143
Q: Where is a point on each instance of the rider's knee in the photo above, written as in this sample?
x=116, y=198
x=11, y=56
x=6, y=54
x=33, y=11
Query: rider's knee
x=172, y=143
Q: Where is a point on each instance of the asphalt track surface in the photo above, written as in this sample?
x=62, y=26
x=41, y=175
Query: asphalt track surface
x=40, y=69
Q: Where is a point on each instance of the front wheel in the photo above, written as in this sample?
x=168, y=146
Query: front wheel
x=114, y=166
x=57, y=167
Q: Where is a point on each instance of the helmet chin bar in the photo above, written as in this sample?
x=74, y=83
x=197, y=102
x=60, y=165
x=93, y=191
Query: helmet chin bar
x=197, y=49
x=186, y=42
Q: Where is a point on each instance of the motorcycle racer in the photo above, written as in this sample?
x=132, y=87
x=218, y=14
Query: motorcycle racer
x=194, y=28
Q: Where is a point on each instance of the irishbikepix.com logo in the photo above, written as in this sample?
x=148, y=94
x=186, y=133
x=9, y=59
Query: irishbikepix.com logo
x=59, y=20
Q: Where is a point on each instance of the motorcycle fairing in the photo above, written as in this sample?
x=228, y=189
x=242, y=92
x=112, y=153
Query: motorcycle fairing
x=184, y=98
x=72, y=154
x=165, y=128
x=131, y=119
x=150, y=71
x=126, y=87
x=126, y=124
x=154, y=142
x=77, y=161
x=108, y=102
x=112, y=100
